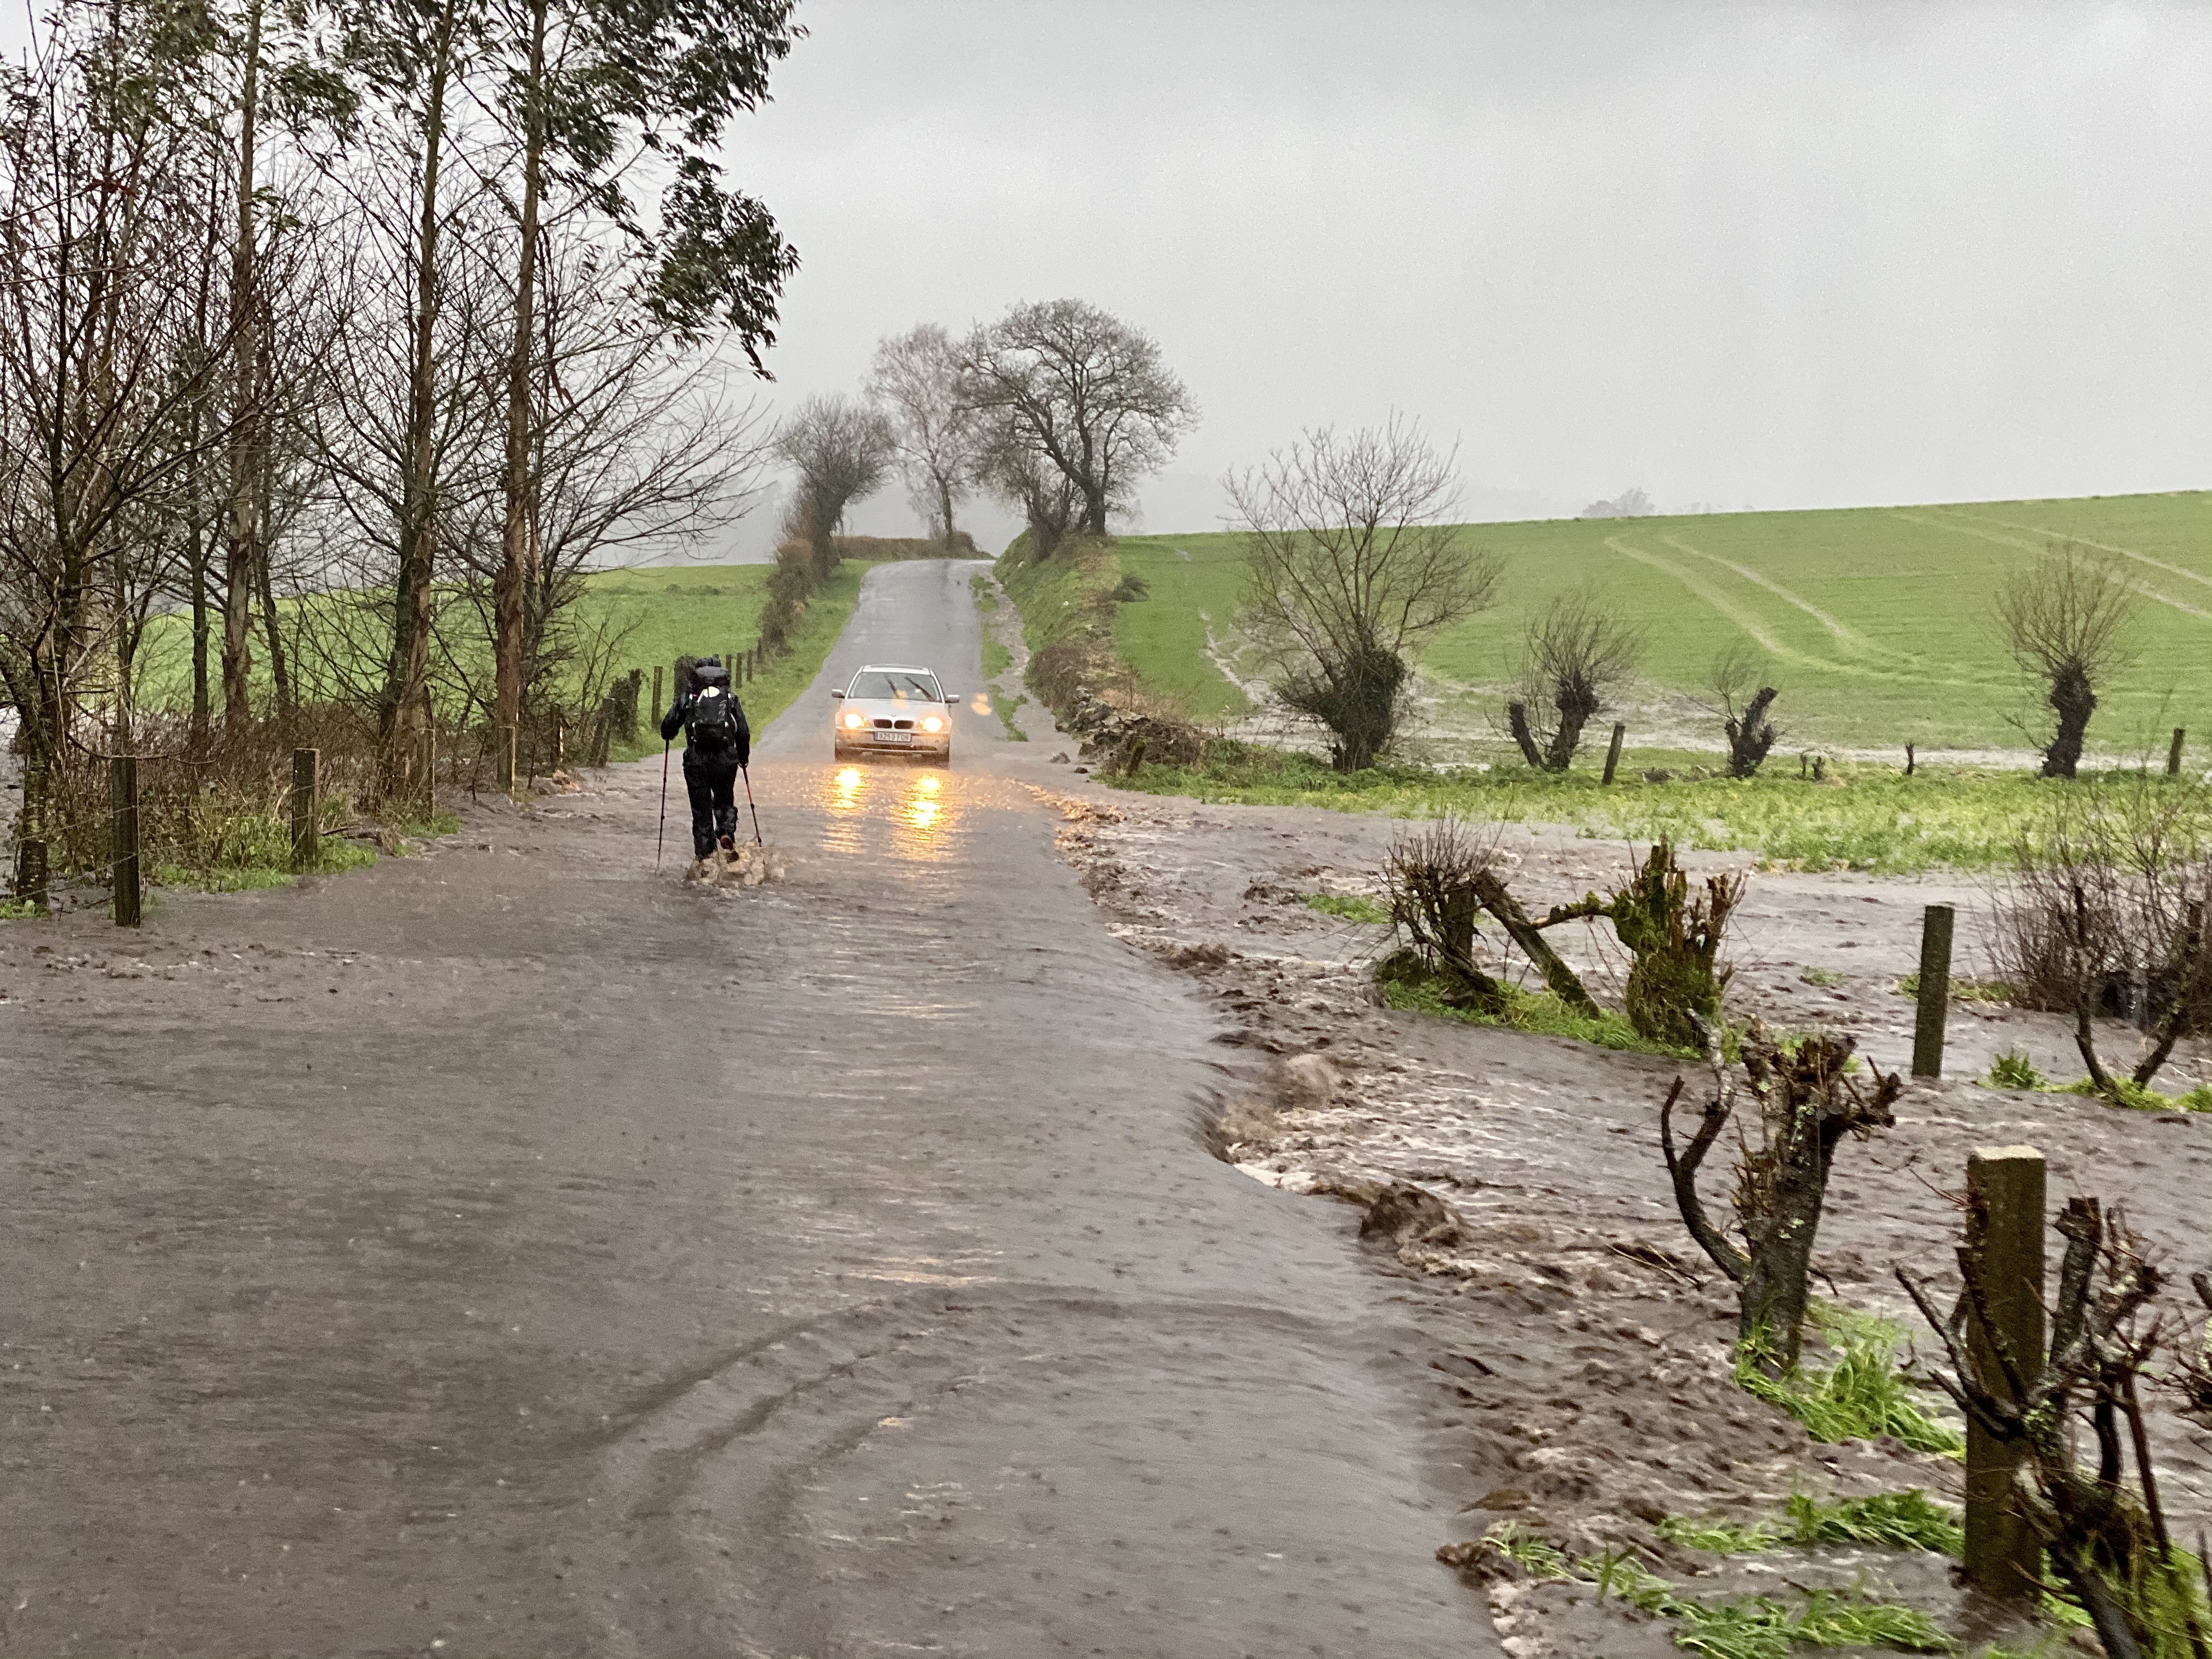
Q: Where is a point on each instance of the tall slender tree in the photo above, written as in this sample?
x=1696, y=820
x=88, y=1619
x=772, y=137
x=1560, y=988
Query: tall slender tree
x=591, y=84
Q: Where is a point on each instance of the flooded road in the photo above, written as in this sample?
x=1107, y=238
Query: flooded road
x=513, y=1250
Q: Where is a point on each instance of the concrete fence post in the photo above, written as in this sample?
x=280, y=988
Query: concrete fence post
x=1934, y=991
x=307, y=805
x=2004, y=1236
x=659, y=707
x=1613, y=751
x=123, y=796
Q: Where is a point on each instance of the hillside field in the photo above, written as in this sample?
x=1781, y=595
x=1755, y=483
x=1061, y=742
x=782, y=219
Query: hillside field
x=1877, y=622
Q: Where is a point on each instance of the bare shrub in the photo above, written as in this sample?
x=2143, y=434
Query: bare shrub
x=2066, y=620
x=1808, y=1101
x=1349, y=568
x=1431, y=875
x=1744, y=707
x=2105, y=1536
x=2106, y=917
x=1577, y=655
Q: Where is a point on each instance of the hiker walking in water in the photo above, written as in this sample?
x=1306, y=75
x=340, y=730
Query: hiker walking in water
x=717, y=744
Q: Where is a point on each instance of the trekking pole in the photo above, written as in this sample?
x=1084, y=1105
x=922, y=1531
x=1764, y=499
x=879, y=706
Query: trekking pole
x=749, y=807
x=662, y=838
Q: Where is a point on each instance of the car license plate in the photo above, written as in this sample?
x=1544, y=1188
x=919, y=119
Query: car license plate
x=893, y=737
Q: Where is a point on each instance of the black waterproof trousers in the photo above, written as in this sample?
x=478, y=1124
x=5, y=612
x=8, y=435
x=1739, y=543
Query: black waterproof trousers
x=712, y=785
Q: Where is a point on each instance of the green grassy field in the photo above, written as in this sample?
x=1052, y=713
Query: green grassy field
x=1877, y=621
x=656, y=615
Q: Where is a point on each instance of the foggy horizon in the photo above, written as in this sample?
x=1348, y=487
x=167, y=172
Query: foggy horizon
x=1739, y=256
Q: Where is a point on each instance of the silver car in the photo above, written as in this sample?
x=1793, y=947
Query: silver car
x=890, y=708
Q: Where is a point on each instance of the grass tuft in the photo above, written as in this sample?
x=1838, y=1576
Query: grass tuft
x=1907, y=1520
x=1741, y=1627
x=1826, y=978
x=2136, y=1097
x=2013, y=1069
x=1349, y=906
x=1862, y=1396
x=1994, y=991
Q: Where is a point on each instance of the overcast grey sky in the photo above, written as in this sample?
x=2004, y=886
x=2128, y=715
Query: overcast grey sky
x=1765, y=255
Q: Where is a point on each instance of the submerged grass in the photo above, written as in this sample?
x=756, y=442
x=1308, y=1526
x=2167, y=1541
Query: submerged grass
x=1539, y=1012
x=1866, y=819
x=1862, y=1396
x=1349, y=906
x=1735, y=1627
x=1907, y=1520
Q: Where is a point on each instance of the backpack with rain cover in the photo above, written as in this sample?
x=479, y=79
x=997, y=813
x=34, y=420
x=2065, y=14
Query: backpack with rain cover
x=711, y=727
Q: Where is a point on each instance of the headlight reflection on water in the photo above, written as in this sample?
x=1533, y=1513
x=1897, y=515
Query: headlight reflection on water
x=913, y=806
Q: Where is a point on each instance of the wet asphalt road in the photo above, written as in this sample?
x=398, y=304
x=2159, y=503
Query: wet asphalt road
x=512, y=1251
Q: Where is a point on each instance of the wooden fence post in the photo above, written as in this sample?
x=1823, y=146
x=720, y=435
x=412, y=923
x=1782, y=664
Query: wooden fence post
x=1934, y=991
x=2173, y=754
x=2004, y=1233
x=123, y=796
x=306, y=806
x=659, y=707
x=1613, y=751
x=503, y=756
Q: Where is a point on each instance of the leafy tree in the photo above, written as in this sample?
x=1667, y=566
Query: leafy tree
x=588, y=84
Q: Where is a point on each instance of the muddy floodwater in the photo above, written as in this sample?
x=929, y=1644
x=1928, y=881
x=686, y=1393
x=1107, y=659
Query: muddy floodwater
x=517, y=1249
x=513, y=1250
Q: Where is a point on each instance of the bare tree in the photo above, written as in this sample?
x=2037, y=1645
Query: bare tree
x=1743, y=705
x=1349, y=567
x=102, y=200
x=1083, y=391
x=939, y=437
x=1577, y=655
x=2066, y=619
x=1007, y=468
x=841, y=451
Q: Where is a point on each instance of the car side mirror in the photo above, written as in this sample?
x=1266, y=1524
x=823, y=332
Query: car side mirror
x=837, y=693
x=952, y=697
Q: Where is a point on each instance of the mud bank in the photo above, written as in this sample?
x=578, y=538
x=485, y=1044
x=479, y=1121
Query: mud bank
x=1580, y=1343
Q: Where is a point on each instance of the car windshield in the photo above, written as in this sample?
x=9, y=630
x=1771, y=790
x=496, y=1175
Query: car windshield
x=898, y=683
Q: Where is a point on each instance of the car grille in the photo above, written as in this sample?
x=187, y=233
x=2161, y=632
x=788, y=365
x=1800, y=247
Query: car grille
x=895, y=726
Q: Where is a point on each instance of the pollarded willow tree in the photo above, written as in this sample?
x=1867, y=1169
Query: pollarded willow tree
x=2066, y=619
x=1063, y=385
x=1575, y=657
x=1351, y=568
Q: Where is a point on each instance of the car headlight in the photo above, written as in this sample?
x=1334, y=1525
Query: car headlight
x=855, y=721
x=932, y=723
